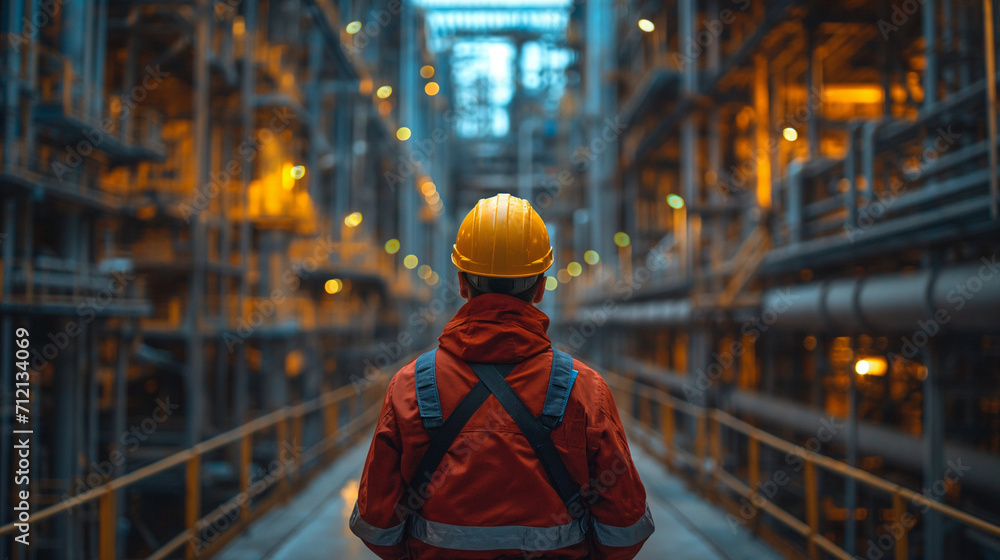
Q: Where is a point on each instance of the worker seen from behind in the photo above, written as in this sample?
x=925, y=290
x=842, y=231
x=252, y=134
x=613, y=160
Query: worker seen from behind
x=495, y=444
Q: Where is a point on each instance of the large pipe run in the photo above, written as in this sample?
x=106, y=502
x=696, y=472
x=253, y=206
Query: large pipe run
x=962, y=298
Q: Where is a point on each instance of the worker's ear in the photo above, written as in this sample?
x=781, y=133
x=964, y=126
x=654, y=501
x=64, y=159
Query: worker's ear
x=539, y=290
x=463, y=286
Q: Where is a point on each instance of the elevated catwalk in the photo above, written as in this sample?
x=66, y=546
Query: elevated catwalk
x=314, y=525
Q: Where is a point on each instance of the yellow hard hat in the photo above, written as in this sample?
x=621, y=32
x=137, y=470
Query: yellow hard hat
x=502, y=237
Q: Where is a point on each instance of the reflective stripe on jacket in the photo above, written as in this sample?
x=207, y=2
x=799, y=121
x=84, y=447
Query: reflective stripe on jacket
x=490, y=498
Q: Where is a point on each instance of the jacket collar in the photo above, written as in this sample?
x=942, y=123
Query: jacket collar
x=496, y=328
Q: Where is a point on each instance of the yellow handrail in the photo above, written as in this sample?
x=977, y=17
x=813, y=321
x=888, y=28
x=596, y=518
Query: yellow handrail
x=329, y=403
x=808, y=528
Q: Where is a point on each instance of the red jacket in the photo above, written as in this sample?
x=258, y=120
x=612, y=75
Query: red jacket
x=491, y=488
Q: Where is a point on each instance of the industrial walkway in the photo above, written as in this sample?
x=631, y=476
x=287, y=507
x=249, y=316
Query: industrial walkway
x=314, y=526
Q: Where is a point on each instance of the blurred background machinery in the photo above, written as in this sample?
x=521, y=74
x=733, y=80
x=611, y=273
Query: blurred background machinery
x=785, y=212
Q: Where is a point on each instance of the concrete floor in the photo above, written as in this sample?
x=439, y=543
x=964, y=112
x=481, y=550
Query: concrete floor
x=314, y=525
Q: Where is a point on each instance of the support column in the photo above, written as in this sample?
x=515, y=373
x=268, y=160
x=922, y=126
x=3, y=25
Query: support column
x=194, y=387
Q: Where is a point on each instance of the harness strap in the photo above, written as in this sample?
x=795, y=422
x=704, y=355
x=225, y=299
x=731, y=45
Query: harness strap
x=538, y=436
x=441, y=440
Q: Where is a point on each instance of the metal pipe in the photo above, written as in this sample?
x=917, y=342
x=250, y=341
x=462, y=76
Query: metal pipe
x=962, y=297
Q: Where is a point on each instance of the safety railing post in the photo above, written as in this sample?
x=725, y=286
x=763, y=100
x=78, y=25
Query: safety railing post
x=812, y=508
x=645, y=406
x=296, y=444
x=281, y=441
x=716, y=451
x=903, y=541
x=192, y=509
x=753, y=473
x=108, y=526
x=635, y=402
x=667, y=424
x=246, y=457
x=699, y=445
x=331, y=417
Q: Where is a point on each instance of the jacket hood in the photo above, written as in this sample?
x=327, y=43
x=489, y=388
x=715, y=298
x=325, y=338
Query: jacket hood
x=496, y=328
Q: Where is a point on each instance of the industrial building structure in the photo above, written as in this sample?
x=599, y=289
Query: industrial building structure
x=225, y=222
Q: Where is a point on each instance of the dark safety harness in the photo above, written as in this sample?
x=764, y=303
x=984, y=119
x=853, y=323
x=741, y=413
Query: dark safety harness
x=492, y=382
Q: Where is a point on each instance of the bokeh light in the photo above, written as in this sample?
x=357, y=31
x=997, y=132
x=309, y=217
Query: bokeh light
x=622, y=239
x=353, y=27
x=333, y=285
x=646, y=25
x=392, y=246
x=403, y=133
x=675, y=202
x=574, y=268
x=298, y=172
x=410, y=261
x=426, y=71
x=383, y=92
x=353, y=219
x=551, y=283
x=432, y=88
x=591, y=257
x=790, y=134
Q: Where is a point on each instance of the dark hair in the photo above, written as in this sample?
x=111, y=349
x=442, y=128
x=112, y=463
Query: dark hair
x=504, y=286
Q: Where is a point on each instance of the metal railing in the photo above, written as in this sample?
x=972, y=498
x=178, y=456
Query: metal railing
x=706, y=458
x=287, y=423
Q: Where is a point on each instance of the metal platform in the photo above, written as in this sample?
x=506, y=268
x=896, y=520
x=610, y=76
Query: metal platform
x=313, y=526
